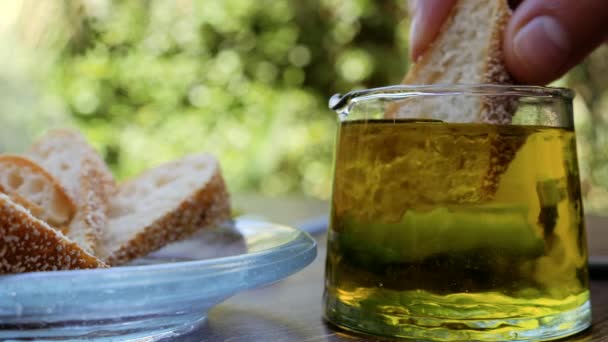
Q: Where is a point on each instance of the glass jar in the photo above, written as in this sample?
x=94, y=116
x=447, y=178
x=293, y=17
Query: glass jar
x=457, y=214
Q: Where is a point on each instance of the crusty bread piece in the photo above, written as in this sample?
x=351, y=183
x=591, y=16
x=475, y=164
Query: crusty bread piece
x=31, y=186
x=467, y=50
x=29, y=244
x=86, y=178
x=165, y=204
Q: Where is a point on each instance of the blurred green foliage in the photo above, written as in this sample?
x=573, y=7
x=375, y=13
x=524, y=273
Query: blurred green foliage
x=151, y=80
x=246, y=80
x=590, y=81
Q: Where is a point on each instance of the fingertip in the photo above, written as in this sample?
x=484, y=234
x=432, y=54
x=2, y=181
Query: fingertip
x=426, y=23
x=517, y=67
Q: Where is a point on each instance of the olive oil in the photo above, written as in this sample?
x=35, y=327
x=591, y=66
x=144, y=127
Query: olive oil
x=472, y=231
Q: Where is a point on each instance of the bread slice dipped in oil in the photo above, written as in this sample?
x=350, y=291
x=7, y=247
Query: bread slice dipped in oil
x=467, y=50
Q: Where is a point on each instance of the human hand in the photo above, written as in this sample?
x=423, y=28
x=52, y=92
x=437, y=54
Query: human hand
x=543, y=39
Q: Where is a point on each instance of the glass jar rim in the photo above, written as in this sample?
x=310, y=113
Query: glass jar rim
x=396, y=92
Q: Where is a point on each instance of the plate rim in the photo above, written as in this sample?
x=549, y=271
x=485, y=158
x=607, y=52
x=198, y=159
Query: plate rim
x=301, y=238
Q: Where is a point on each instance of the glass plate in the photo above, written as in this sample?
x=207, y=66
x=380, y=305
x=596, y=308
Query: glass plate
x=163, y=295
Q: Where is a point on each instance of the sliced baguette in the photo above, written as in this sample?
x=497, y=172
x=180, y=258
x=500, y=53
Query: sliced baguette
x=28, y=244
x=165, y=204
x=32, y=187
x=86, y=178
x=468, y=50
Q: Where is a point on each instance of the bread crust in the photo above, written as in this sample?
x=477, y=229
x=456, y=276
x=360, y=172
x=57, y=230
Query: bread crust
x=38, y=211
x=498, y=110
x=28, y=244
x=206, y=206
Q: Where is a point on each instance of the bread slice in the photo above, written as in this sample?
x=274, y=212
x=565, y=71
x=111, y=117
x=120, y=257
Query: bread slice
x=31, y=186
x=86, y=178
x=468, y=50
x=165, y=204
x=29, y=244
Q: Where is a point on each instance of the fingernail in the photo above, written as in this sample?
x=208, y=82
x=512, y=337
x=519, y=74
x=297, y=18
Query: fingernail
x=542, y=43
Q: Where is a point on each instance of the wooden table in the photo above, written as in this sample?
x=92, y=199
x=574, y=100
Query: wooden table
x=291, y=309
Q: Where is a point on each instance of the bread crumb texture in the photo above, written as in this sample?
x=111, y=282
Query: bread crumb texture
x=28, y=184
x=78, y=167
x=165, y=204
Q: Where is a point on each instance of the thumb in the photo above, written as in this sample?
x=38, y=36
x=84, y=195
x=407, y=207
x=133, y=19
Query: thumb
x=546, y=38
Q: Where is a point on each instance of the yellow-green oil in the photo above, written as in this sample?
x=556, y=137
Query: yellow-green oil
x=420, y=246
